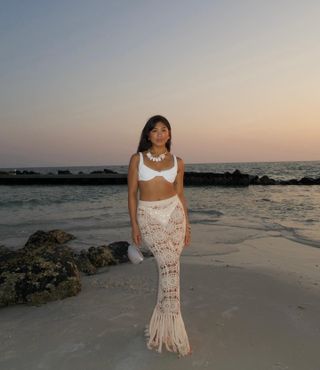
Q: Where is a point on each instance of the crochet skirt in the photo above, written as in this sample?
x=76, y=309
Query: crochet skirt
x=163, y=225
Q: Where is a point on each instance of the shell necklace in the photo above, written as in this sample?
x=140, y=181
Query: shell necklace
x=159, y=158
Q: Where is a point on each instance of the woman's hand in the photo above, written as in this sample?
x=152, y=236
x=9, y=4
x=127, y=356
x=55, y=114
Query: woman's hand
x=136, y=235
x=188, y=235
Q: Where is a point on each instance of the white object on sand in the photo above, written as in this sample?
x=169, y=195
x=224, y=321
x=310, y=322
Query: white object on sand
x=134, y=254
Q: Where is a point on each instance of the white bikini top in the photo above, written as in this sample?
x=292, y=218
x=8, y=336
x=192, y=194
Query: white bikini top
x=146, y=173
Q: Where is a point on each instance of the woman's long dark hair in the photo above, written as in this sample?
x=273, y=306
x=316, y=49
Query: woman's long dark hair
x=145, y=143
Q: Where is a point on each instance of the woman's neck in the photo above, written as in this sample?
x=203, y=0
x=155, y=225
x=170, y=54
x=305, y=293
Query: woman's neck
x=158, y=150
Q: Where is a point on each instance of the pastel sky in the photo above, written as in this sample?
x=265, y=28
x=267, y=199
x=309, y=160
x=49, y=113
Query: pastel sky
x=239, y=81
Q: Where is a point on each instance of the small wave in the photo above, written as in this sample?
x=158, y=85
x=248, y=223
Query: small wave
x=15, y=203
x=205, y=221
x=30, y=203
x=48, y=202
x=301, y=239
x=210, y=212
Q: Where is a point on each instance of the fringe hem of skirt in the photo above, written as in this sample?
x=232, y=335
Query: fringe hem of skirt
x=167, y=328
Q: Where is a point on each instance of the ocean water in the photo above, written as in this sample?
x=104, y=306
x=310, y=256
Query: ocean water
x=98, y=215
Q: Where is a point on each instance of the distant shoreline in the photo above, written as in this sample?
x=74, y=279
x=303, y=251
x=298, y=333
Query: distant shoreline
x=235, y=178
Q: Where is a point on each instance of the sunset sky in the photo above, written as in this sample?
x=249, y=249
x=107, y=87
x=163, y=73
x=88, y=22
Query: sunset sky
x=239, y=81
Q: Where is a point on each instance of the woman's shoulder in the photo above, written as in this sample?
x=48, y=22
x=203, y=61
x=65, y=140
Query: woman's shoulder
x=135, y=157
x=137, y=154
x=180, y=164
x=179, y=159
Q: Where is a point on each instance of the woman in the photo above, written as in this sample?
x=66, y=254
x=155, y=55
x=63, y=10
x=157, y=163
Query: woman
x=159, y=218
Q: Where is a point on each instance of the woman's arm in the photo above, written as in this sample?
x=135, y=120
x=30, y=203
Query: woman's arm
x=132, y=197
x=180, y=192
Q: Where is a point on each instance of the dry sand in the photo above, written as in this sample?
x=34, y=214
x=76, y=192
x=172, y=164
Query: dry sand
x=252, y=303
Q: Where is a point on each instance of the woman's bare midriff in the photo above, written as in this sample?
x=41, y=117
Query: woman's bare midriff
x=156, y=189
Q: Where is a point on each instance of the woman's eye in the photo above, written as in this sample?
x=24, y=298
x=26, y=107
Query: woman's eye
x=163, y=129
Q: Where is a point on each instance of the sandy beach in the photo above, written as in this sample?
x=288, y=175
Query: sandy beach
x=250, y=304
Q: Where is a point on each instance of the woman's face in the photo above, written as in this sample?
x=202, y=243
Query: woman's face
x=160, y=134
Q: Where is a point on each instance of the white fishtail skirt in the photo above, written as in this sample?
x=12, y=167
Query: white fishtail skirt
x=162, y=225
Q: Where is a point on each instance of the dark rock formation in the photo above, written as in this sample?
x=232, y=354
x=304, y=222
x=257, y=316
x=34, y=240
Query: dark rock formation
x=289, y=182
x=64, y=172
x=89, y=260
x=106, y=170
x=119, y=251
x=46, y=269
x=39, y=272
x=65, y=179
x=26, y=172
x=309, y=181
x=265, y=180
x=43, y=238
x=4, y=252
x=109, y=177
x=84, y=264
x=253, y=179
x=209, y=178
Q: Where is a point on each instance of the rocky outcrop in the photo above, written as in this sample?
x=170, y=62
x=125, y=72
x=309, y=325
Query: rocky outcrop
x=46, y=269
x=266, y=180
x=41, y=271
x=235, y=178
x=309, y=181
x=26, y=172
x=64, y=179
x=42, y=238
x=88, y=261
x=105, y=170
x=64, y=172
x=109, y=177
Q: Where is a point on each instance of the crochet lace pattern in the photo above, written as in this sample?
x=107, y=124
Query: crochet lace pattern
x=162, y=225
